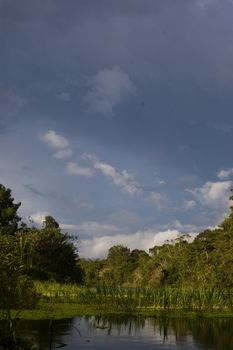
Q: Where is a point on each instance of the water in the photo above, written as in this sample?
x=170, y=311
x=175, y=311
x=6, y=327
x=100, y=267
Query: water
x=124, y=333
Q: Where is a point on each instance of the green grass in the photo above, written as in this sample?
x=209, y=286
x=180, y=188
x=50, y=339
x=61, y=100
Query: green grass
x=129, y=299
x=68, y=300
x=67, y=310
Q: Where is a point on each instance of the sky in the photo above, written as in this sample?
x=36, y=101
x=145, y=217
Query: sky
x=116, y=116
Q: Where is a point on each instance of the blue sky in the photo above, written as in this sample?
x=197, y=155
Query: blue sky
x=116, y=116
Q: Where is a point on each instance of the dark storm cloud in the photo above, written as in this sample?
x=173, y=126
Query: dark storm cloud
x=27, y=10
x=178, y=55
x=144, y=87
x=60, y=33
x=160, y=41
x=11, y=104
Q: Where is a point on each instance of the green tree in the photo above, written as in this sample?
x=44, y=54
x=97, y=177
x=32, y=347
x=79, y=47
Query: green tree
x=92, y=272
x=53, y=254
x=50, y=223
x=8, y=212
x=118, y=268
x=16, y=288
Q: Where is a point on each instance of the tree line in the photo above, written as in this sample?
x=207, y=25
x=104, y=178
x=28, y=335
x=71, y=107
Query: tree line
x=206, y=262
x=31, y=253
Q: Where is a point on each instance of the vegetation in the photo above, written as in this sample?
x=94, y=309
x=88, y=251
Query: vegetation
x=207, y=262
x=8, y=212
x=43, y=265
x=138, y=299
x=27, y=253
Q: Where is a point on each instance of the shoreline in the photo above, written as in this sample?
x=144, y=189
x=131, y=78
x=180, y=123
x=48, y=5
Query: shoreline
x=69, y=310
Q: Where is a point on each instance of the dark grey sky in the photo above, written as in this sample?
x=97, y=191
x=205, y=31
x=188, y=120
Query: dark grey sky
x=116, y=116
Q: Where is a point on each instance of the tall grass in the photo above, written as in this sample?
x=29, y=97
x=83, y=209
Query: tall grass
x=133, y=299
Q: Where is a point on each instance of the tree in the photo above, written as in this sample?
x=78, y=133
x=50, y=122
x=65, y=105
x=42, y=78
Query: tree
x=50, y=223
x=92, y=272
x=8, y=212
x=54, y=255
x=16, y=288
x=118, y=268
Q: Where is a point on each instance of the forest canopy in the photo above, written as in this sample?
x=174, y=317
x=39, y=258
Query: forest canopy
x=49, y=254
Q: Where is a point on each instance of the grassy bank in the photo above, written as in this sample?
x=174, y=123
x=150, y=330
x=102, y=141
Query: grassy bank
x=67, y=310
x=67, y=300
x=129, y=299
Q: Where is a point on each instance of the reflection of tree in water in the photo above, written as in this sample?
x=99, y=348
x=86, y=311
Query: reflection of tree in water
x=47, y=334
x=216, y=333
x=207, y=333
x=122, y=323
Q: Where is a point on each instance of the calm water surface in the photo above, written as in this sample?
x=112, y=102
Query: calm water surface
x=130, y=333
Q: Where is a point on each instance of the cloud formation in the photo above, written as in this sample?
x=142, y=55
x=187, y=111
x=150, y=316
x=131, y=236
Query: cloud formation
x=39, y=217
x=189, y=204
x=213, y=194
x=122, y=179
x=225, y=173
x=107, y=89
x=59, y=142
x=73, y=168
x=91, y=228
x=55, y=140
x=63, y=154
x=98, y=246
x=158, y=199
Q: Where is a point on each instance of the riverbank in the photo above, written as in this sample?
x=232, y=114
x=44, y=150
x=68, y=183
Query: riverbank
x=67, y=310
x=58, y=301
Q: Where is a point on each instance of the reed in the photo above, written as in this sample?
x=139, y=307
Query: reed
x=133, y=299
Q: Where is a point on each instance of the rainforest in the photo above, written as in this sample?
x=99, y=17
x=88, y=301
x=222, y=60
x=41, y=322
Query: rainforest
x=42, y=275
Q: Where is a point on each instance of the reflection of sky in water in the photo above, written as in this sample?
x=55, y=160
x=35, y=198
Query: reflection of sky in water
x=129, y=336
x=125, y=337
x=119, y=332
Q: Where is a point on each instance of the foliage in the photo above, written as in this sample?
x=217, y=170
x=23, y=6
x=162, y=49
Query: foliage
x=176, y=274
x=8, y=212
x=50, y=254
x=55, y=256
x=136, y=299
x=207, y=262
x=117, y=268
x=91, y=271
x=16, y=288
x=50, y=223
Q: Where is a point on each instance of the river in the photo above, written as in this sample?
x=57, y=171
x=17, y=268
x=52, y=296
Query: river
x=125, y=332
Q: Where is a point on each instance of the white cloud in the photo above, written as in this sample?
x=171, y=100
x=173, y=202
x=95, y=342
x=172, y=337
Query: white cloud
x=54, y=140
x=189, y=204
x=162, y=182
x=213, y=194
x=158, y=199
x=38, y=218
x=176, y=224
x=73, y=168
x=63, y=153
x=98, y=247
x=123, y=178
x=91, y=228
x=64, y=96
x=225, y=173
x=107, y=89
x=120, y=178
